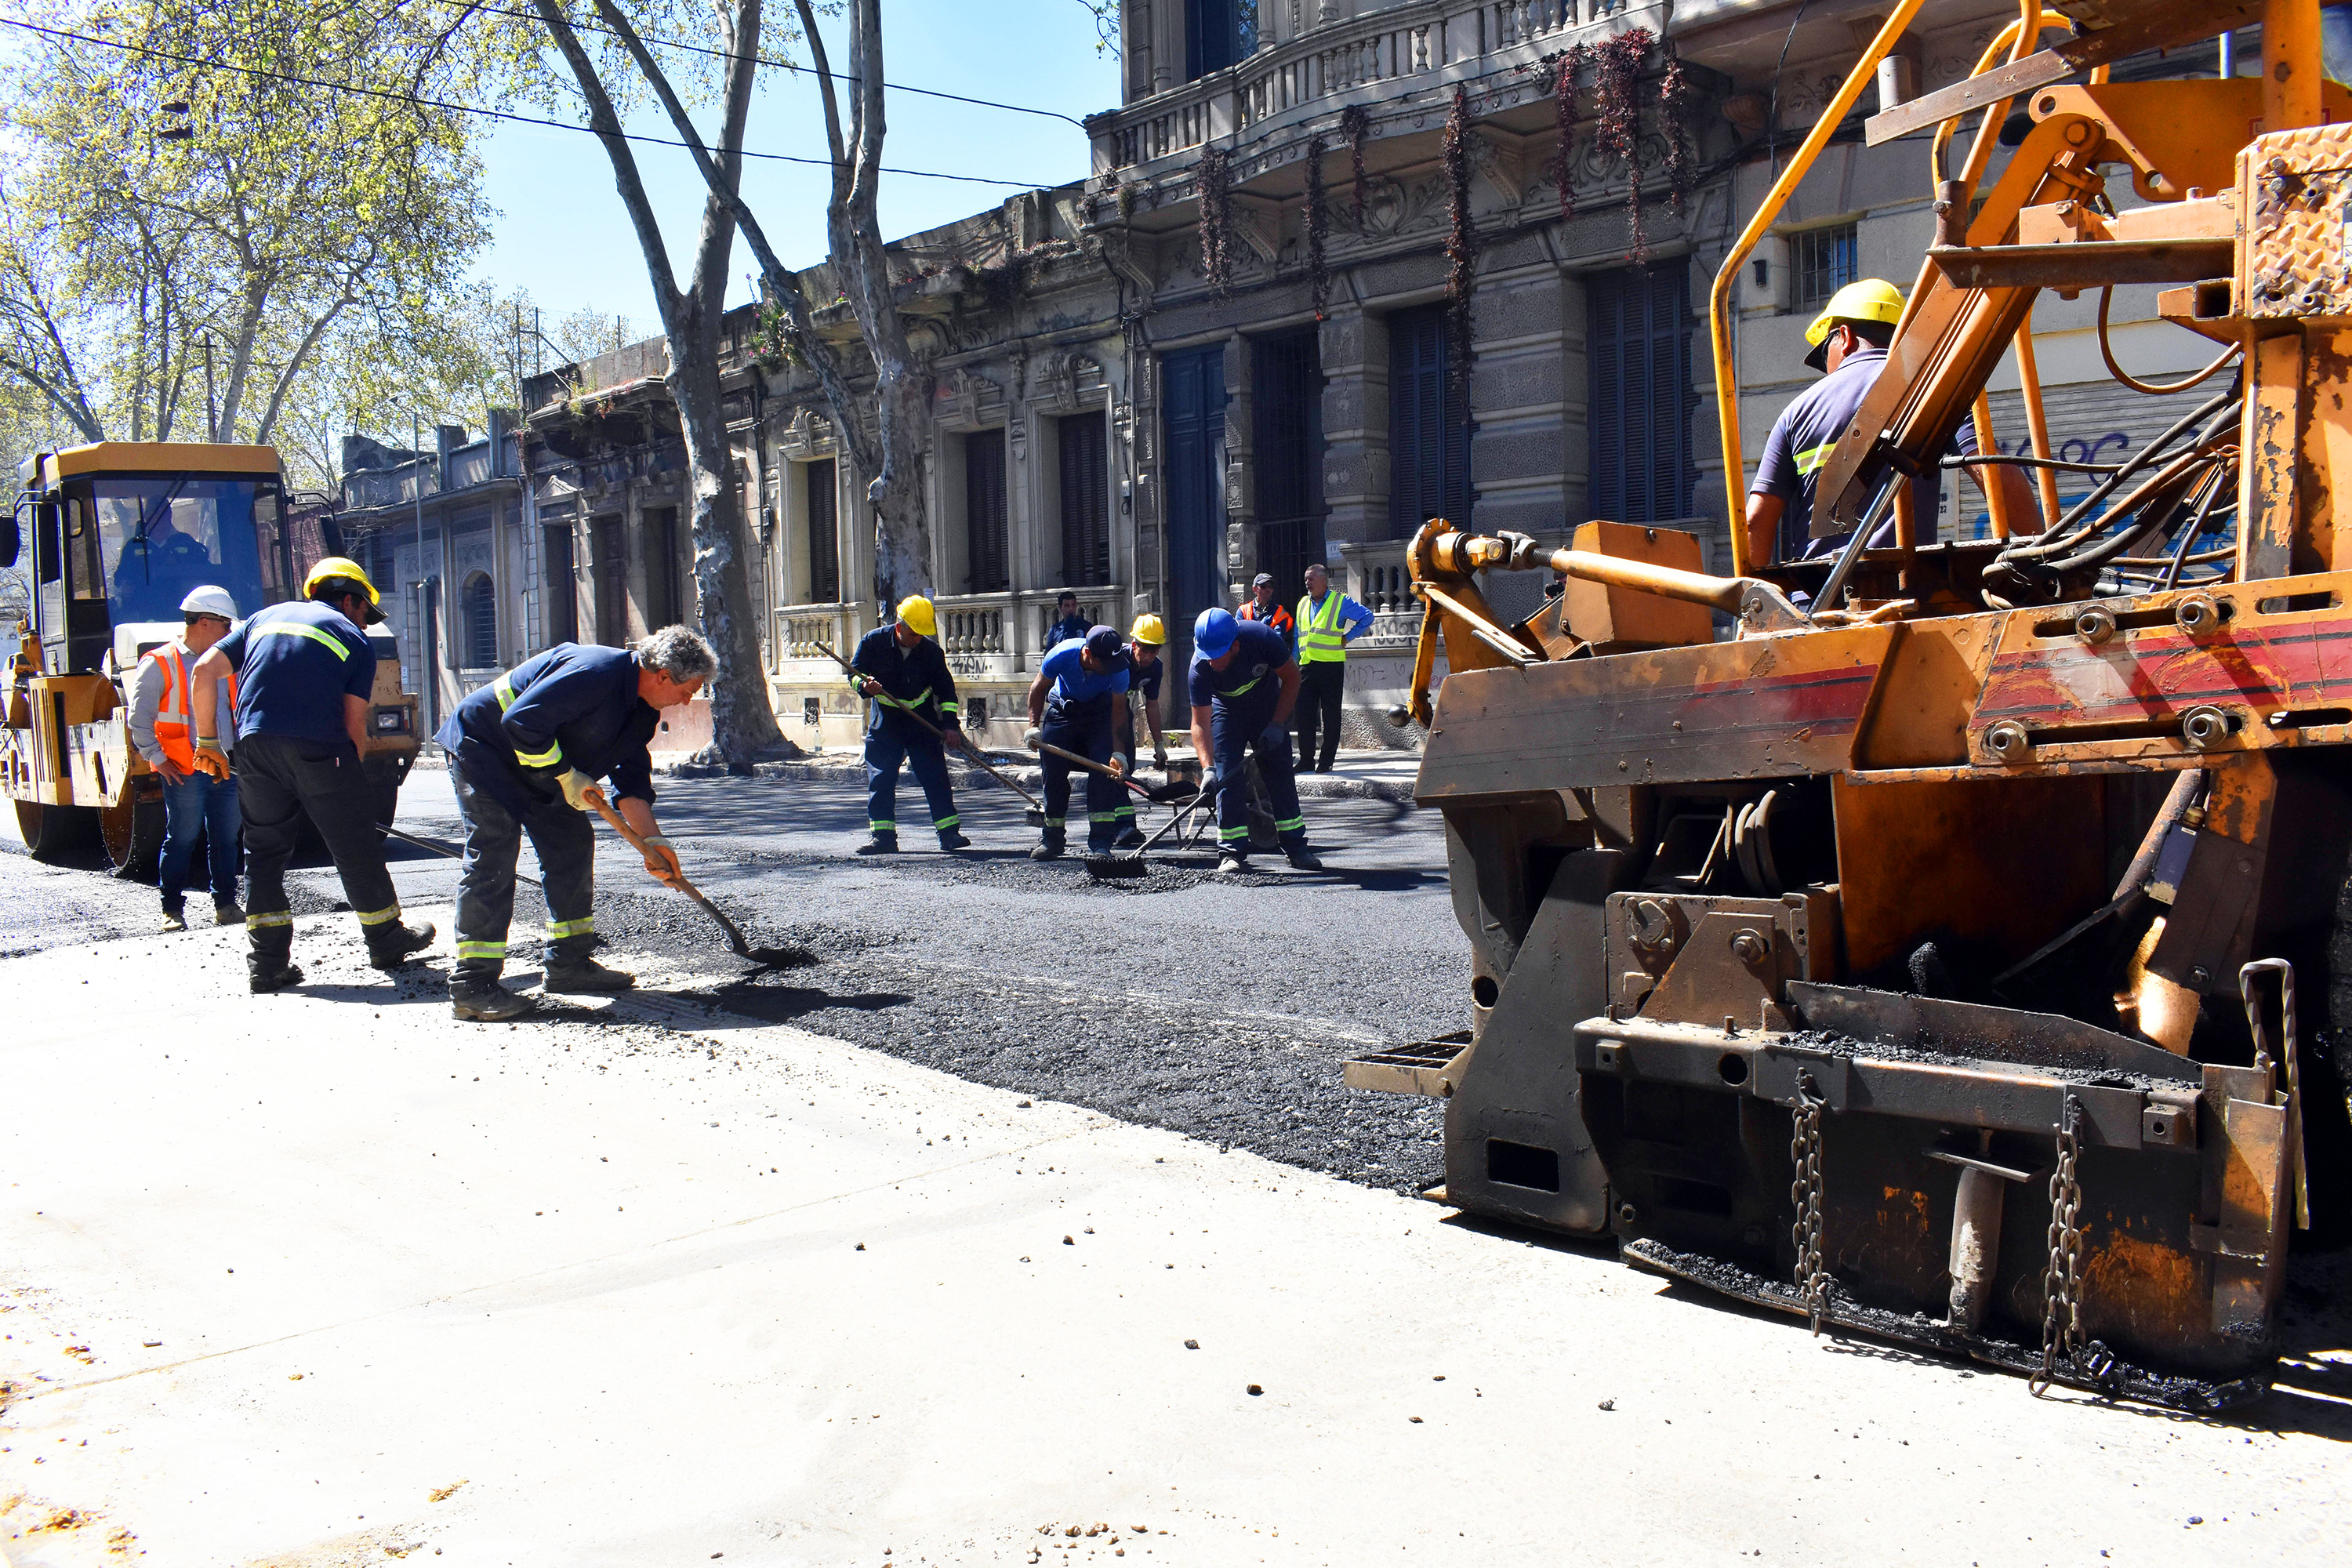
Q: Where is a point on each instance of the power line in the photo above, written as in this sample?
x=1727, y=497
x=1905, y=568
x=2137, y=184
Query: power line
x=581, y=26
x=444, y=104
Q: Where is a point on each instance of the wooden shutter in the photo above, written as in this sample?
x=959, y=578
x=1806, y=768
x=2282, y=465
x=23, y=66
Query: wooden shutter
x=562, y=617
x=1192, y=405
x=1642, y=399
x=823, y=533
x=1086, y=501
x=986, y=556
x=1428, y=427
x=1286, y=437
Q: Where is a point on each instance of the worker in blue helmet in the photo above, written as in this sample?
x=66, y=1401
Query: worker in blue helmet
x=1078, y=684
x=1244, y=681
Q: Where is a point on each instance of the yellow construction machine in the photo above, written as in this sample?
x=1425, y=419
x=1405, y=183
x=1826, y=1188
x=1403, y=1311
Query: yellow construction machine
x=1946, y=940
x=117, y=533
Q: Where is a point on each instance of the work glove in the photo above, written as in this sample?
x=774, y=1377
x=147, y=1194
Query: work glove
x=1032, y=738
x=212, y=758
x=1159, y=756
x=577, y=786
x=662, y=860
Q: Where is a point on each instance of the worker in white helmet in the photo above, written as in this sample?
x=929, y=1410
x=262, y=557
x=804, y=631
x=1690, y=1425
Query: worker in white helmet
x=163, y=727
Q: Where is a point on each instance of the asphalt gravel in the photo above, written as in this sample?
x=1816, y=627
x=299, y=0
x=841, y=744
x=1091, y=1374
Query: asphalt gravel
x=1218, y=1008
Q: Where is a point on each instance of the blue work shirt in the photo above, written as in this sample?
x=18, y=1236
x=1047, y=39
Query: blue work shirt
x=1073, y=625
x=570, y=706
x=1144, y=677
x=295, y=665
x=1262, y=650
x=1806, y=434
x=1074, y=685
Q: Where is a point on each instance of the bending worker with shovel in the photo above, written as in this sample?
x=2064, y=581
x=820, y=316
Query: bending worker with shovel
x=526, y=753
x=1070, y=706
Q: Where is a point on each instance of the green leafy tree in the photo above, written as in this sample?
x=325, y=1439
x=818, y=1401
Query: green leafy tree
x=202, y=200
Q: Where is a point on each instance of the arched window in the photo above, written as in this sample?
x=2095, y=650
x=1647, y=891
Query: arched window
x=480, y=606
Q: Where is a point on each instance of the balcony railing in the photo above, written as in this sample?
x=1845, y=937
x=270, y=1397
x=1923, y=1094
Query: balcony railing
x=1100, y=605
x=972, y=631
x=809, y=630
x=1314, y=71
x=369, y=489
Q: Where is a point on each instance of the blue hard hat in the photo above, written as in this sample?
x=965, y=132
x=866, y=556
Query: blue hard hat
x=1215, y=632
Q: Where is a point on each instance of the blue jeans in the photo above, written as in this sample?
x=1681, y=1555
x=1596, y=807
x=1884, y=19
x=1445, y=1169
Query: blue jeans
x=202, y=807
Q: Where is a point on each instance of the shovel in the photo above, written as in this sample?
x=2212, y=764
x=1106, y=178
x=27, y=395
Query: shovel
x=766, y=957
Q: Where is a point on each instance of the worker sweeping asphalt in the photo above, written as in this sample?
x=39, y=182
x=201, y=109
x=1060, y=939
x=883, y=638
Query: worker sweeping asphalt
x=305, y=676
x=1244, y=684
x=1144, y=669
x=1070, y=706
x=527, y=751
x=912, y=697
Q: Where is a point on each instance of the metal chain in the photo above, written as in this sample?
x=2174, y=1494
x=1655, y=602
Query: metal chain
x=1805, y=1196
x=2062, y=1275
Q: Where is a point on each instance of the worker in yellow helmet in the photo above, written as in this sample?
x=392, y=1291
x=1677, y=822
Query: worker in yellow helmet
x=1144, y=666
x=305, y=675
x=904, y=676
x=1848, y=340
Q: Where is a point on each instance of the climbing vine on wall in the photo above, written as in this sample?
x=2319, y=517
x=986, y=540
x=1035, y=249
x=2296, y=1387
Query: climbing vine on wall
x=1355, y=124
x=1460, y=241
x=1567, y=65
x=1675, y=98
x=1618, y=78
x=1216, y=219
x=1316, y=222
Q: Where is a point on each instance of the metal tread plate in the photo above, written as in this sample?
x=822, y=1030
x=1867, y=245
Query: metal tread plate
x=1425, y=1067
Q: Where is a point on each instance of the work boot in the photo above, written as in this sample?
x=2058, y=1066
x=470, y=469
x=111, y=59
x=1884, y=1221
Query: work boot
x=880, y=844
x=269, y=961
x=1230, y=862
x=1130, y=840
x=953, y=838
x=173, y=921
x=1049, y=847
x=584, y=976
x=482, y=1000
x=227, y=914
x=394, y=942
x=1300, y=856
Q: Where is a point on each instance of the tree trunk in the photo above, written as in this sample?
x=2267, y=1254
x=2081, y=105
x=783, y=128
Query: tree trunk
x=742, y=719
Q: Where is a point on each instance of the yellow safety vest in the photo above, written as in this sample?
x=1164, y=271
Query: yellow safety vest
x=1321, y=638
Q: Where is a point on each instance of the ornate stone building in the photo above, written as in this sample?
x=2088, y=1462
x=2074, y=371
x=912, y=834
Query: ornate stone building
x=1148, y=409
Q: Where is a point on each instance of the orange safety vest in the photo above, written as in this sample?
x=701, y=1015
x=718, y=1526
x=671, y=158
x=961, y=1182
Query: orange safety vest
x=175, y=726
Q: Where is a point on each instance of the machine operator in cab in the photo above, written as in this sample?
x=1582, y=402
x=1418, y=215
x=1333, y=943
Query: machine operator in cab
x=527, y=748
x=1849, y=340
x=304, y=674
x=1245, y=683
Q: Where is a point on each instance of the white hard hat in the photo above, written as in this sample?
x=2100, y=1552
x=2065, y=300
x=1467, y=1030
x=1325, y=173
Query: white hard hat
x=209, y=601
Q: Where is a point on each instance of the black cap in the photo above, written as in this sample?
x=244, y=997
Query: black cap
x=1104, y=642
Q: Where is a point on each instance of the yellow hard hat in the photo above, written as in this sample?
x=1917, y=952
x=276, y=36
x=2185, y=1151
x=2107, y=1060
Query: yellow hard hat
x=341, y=575
x=1148, y=629
x=917, y=612
x=1870, y=300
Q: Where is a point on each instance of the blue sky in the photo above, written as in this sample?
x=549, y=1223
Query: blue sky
x=562, y=232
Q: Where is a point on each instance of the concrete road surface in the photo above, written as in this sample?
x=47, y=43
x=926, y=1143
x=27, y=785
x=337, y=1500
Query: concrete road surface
x=327, y=1279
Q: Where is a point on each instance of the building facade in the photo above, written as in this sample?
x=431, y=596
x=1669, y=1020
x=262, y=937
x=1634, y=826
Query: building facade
x=1147, y=408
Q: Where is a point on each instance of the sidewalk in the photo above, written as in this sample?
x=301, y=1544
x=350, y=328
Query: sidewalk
x=326, y=1279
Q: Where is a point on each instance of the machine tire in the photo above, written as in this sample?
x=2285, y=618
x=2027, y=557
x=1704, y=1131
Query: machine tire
x=133, y=832
x=56, y=832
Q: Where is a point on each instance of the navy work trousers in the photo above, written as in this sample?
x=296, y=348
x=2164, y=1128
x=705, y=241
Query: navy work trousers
x=278, y=779
x=566, y=842
x=1321, y=685
x=1084, y=728
x=889, y=743
x=1236, y=730
x=204, y=807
